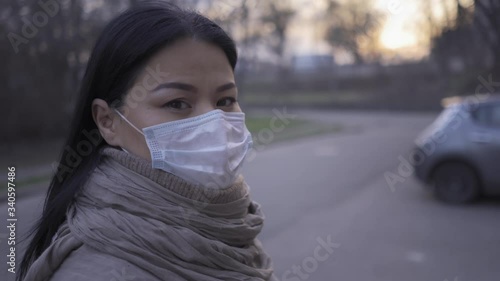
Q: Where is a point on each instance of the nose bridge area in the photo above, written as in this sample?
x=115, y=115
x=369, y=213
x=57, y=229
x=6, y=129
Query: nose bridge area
x=205, y=101
x=204, y=105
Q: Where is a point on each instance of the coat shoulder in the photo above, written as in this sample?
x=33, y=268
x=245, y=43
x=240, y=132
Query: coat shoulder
x=85, y=264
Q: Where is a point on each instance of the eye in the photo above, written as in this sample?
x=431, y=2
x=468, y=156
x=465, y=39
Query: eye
x=227, y=101
x=177, y=104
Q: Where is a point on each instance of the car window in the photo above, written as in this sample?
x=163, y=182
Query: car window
x=495, y=116
x=488, y=115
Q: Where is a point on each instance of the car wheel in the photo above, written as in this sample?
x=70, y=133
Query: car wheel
x=455, y=182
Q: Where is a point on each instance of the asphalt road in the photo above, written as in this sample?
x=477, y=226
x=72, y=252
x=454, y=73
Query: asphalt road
x=331, y=215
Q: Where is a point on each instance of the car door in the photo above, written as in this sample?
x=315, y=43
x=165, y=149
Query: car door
x=485, y=138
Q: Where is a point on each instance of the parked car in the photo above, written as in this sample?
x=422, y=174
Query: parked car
x=458, y=155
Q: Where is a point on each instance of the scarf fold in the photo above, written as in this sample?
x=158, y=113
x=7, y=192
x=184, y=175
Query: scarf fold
x=162, y=224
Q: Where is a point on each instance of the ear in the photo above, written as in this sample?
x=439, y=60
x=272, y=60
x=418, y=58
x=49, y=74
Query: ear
x=106, y=120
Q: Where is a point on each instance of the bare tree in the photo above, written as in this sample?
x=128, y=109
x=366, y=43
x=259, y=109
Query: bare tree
x=278, y=14
x=351, y=23
x=47, y=47
x=487, y=22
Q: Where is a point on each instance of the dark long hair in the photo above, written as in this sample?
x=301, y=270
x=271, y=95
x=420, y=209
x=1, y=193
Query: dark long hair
x=119, y=55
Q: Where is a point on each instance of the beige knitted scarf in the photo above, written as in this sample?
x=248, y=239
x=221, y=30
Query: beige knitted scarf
x=162, y=224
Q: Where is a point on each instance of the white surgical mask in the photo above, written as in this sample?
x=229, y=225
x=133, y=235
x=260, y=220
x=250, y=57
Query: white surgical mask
x=206, y=150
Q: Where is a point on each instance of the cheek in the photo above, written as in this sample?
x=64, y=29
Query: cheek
x=136, y=144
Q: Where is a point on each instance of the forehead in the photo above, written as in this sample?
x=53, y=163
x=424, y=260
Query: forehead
x=189, y=58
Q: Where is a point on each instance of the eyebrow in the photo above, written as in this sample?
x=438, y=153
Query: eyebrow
x=191, y=88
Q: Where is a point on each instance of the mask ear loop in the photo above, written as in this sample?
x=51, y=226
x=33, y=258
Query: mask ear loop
x=125, y=119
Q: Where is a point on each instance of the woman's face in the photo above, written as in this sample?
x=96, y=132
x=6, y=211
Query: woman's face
x=185, y=79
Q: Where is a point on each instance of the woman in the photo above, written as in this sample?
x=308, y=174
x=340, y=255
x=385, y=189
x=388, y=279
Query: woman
x=148, y=186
